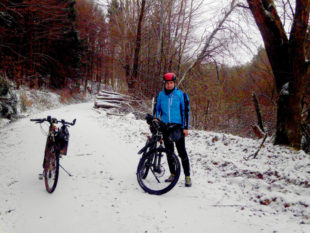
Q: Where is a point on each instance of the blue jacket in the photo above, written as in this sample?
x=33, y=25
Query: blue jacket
x=173, y=107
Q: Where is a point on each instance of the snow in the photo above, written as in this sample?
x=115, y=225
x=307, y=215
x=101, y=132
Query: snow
x=229, y=194
x=285, y=89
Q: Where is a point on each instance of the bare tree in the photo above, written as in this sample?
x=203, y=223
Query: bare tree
x=286, y=53
x=209, y=40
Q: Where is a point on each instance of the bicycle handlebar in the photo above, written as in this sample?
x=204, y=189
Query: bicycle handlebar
x=158, y=124
x=51, y=120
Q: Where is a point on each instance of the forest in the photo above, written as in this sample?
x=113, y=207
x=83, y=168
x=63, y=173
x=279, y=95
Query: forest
x=83, y=45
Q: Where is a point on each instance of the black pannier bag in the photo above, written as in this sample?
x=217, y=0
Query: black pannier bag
x=175, y=133
x=62, y=139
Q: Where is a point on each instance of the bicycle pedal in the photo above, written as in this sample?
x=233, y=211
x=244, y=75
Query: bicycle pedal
x=40, y=176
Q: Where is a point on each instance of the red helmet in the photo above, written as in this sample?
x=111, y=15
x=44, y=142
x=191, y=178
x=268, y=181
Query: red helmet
x=170, y=77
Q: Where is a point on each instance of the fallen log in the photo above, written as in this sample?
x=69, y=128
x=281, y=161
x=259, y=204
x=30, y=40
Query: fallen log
x=110, y=93
x=259, y=148
x=259, y=116
x=101, y=104
x=112, y=98
x=257, y=131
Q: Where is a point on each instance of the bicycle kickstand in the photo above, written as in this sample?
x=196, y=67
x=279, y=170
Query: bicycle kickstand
x=69, y=174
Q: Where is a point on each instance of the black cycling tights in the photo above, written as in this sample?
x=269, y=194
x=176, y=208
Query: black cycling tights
x=180, y=145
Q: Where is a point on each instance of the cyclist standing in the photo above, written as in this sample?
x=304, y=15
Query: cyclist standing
x=172, y=107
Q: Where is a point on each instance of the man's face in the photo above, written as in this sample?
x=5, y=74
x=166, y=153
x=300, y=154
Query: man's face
x=169, y=85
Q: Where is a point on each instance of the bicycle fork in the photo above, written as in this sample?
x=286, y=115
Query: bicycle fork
x=157, y=161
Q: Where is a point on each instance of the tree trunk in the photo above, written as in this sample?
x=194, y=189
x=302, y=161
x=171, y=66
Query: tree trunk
x=134, y=76
x=288, y=130
x=160, y=38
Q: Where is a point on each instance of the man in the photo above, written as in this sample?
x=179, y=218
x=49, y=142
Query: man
x=172, y=107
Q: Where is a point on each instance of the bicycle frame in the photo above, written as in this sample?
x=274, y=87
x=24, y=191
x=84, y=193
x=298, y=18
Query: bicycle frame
x=50, y=142
x=151, y=143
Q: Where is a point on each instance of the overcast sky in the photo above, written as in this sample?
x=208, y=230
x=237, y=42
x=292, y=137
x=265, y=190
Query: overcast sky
x=241, y=19
x=207, y=16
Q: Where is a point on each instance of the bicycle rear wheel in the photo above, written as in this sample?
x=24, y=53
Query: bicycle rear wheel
x=51, y=170
x=153, y=170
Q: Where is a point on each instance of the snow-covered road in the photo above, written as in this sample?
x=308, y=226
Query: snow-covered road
x=103, y=194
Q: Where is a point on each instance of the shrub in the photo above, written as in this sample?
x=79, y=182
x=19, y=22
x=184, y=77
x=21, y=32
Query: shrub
x=4, y=87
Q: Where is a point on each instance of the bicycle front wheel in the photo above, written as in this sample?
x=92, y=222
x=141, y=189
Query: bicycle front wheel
x=153, y=171
x=51, y=170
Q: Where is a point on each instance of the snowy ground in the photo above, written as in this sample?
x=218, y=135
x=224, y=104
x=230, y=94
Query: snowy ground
x=229, y=194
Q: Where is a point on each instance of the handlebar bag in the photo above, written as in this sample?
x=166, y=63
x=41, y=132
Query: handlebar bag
x=62, y=139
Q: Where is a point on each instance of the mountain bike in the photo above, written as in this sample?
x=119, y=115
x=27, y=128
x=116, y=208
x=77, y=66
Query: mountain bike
x=56, y=145
x=153, y=168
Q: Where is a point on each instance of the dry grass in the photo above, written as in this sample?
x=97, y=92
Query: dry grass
x=68, y=95
x=65, y=96
x=25, y=102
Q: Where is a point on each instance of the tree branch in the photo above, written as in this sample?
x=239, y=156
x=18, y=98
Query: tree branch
x=209, y=39
x=243, y=6
x=268, y=22
x=300, y=23
x=289, y=3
